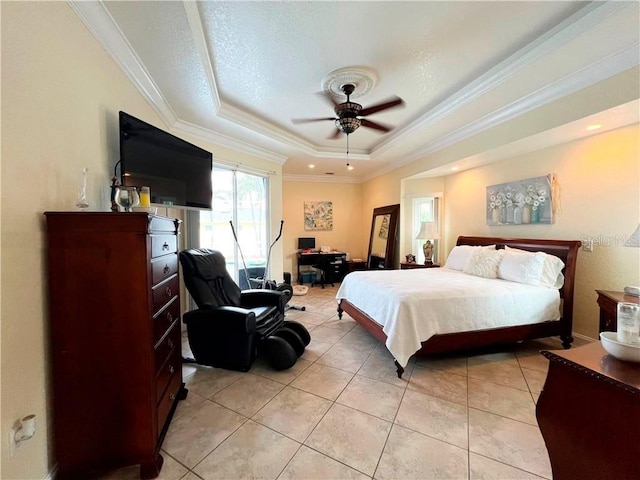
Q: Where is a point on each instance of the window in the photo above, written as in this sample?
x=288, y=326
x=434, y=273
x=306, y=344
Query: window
x=425, y=209
x=242, y=198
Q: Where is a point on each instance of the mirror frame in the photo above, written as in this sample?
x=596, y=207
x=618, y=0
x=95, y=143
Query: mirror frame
x=391, y=253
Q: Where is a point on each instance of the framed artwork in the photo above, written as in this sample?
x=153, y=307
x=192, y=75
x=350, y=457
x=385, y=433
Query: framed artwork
x=318, y=215
x=521, y=202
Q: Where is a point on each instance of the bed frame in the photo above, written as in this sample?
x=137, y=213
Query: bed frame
x=566, y=250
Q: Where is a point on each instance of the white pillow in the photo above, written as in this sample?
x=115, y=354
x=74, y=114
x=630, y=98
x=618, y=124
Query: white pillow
x=459, y=255
x=551, y=275
x=484, y=263
x=521, y=266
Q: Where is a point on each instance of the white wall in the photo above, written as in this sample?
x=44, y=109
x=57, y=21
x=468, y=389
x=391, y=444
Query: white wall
x=61, y=94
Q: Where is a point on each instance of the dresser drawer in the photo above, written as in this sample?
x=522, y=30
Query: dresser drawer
x=163, y=267
x=163, y=244
x=167, y=371
x=167, y=401
x=164, y=292
x=166, y=346
x=165, y=318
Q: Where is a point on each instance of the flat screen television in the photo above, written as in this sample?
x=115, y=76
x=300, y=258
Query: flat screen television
x=306, y=243
x=177, y=172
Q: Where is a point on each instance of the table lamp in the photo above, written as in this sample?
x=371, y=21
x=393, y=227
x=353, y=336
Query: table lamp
x=428, y=232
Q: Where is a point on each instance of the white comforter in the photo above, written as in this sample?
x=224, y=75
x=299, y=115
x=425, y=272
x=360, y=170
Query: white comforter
x=412, y=305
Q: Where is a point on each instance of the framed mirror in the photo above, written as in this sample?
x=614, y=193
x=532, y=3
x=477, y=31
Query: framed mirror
x=383, y=252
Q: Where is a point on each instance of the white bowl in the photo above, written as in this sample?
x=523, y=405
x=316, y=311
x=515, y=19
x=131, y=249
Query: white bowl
x=623, y=351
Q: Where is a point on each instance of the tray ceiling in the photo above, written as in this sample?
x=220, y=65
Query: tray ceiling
x=237, y=73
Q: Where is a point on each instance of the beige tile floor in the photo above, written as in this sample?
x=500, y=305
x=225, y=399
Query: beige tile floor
x=342, y=413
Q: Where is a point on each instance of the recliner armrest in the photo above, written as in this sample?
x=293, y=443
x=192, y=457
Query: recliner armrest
x=261, y=298
x=231, y=319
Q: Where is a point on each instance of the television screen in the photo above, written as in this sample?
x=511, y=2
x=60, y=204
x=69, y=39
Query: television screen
x=305, y=243
x=177, y=172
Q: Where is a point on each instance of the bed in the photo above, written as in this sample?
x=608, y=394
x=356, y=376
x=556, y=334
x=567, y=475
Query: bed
x=554, y=317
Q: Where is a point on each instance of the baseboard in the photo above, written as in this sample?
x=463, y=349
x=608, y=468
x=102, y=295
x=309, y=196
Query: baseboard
x=579, y=340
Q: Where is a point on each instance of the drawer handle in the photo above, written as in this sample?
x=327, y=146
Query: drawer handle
x=170, y=343
x=165, y=246
x=172, y=396
x=171, y=369
x=166, y=269
x=169, y=317
x=168, y=291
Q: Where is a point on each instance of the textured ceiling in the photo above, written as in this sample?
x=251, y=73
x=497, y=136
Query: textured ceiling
x=237, y=73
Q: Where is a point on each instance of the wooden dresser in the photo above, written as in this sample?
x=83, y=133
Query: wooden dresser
x=589, y=415
x=114, y=323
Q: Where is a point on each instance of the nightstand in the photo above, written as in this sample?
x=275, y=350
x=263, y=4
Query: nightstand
x=608, y=301
x=409, y=266
x=353, y=265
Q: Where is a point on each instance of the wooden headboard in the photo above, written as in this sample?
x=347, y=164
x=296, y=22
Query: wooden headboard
x=565, y=250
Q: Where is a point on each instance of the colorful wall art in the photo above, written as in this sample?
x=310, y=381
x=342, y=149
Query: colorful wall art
x=318, y=215
x=521, y=202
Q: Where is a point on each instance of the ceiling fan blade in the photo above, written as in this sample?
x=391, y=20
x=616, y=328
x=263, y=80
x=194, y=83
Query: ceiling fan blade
x=335, y=135
x=394, y=102
x=308, y=120
x=375, y=125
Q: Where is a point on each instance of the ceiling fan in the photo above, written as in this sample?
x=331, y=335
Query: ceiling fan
x=349, y=113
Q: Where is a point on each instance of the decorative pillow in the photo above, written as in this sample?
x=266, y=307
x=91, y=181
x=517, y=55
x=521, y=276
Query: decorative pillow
x=484, y=263
x=460, y=254
x=551, y=274
x=521, y=266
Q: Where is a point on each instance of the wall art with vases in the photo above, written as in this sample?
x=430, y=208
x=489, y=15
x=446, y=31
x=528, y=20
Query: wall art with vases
x=529, y=201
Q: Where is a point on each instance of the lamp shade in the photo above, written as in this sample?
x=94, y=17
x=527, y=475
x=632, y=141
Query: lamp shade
x=634, y=239
x=428, y=231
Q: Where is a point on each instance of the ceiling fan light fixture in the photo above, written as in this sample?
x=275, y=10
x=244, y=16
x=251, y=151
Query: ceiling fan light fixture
x=347, y=125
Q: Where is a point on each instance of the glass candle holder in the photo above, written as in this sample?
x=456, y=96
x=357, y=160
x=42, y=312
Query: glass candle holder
x=127, y=198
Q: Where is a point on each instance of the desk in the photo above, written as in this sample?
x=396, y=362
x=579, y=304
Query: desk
x=608, y=302
x=335, y=260
x=589, y=415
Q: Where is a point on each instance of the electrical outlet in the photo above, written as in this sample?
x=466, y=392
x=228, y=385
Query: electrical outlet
x=587, y=245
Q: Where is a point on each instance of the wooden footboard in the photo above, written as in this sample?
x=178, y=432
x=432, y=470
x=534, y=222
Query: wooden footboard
x=566, y=250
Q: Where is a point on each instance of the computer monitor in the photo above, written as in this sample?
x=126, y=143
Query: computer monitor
x=306, y=243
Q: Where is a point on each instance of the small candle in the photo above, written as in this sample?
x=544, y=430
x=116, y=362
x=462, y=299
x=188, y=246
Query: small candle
x=145, y=197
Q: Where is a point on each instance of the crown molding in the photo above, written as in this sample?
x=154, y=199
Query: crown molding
x=578, y=23
x=200, y=42
x=320, y=179
x=100, y=23
x=227, y=141
x=602, y=69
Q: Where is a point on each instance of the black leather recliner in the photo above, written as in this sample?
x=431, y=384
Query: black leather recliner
x=231, y=327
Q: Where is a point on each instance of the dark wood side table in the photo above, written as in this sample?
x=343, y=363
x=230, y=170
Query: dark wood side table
x=353, y=266
x=589, y=414
x=409, y=266
x=608, y=302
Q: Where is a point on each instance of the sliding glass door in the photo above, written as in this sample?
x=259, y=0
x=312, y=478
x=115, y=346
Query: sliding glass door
x=240, y=198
